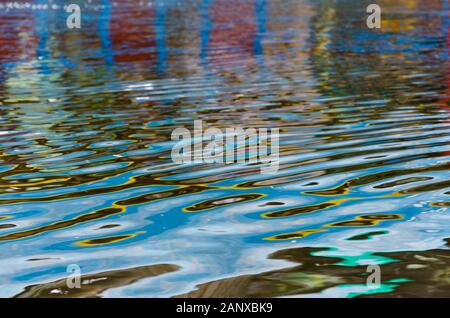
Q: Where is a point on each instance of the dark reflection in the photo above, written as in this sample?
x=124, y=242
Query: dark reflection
x=222, y=202
x=94, y=285
x=429, y=277
x=366, y=236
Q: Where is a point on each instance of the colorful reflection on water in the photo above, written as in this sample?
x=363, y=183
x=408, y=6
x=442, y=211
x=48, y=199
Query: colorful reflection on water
x=86, y=176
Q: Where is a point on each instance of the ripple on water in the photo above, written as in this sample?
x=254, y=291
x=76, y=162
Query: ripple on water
x=85, y=143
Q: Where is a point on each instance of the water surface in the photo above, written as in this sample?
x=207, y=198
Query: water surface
x=86, y=175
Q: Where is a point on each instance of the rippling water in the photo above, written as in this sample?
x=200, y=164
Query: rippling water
x=86, y=175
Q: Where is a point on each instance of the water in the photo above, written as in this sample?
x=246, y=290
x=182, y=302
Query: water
x=86, y=177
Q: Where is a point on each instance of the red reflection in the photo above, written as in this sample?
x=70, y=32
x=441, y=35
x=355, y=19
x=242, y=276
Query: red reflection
x=233, y=35
x=132, y=32
x=17, y=39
